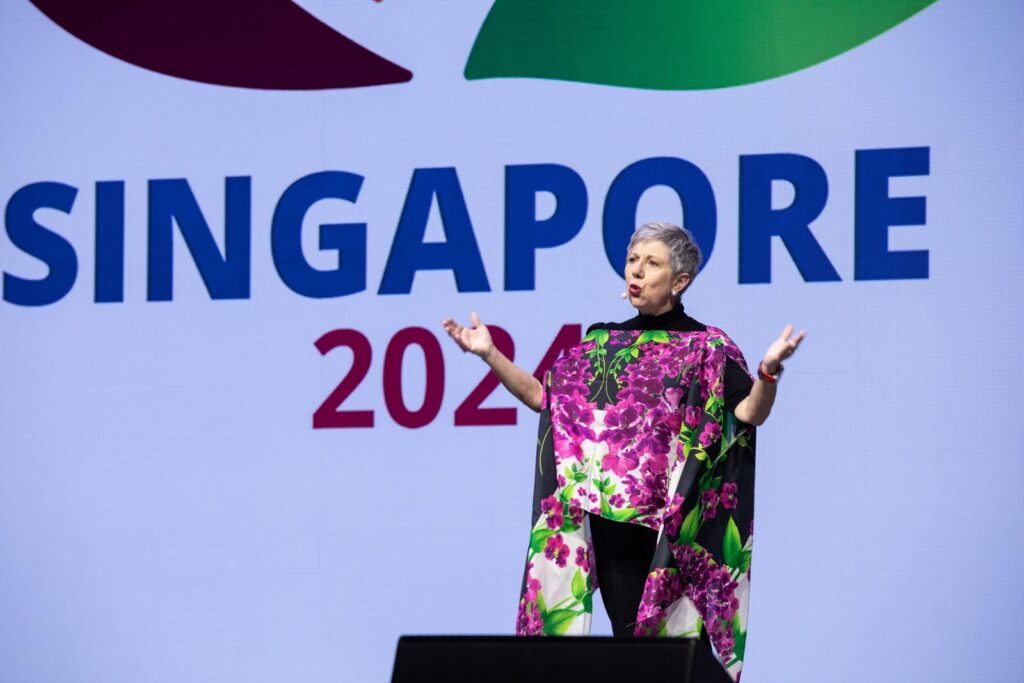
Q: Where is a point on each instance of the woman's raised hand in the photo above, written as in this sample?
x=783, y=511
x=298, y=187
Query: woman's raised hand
x=475, y=339
x=781, y=349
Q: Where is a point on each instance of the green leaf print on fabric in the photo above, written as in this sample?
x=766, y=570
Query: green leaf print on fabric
x=740, y=636
x=579, y=585
x=691, y=525
x=539, y=537
x=732, y=545
x=558, y=621
x=623, y=515
x=657, y=336
x=635, y=430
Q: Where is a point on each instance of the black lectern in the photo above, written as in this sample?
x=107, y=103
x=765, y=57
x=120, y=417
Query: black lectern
x=508, y=659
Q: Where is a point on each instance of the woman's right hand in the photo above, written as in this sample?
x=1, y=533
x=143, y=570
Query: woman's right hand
x=475, y=339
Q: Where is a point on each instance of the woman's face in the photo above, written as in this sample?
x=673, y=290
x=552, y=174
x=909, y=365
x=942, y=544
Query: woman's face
x=649, y=278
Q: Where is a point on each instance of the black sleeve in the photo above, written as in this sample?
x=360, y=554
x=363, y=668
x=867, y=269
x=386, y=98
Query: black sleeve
x=737, y=384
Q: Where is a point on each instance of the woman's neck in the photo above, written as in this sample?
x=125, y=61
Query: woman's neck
x=667, y=308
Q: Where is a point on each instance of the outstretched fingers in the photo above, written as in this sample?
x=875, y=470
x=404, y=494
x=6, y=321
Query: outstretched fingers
x=457, y=332
x=789, y=346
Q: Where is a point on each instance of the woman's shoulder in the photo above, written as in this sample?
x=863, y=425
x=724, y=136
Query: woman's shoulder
x=609, y=326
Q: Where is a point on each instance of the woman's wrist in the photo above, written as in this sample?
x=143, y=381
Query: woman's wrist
x=769, y=374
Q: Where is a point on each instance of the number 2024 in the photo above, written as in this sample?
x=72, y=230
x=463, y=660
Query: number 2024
x=469, y=412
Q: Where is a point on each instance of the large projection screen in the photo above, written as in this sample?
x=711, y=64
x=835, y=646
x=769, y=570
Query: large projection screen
x=202, y=478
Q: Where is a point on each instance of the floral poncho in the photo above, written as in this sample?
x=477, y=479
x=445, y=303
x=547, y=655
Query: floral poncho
x=634, y=429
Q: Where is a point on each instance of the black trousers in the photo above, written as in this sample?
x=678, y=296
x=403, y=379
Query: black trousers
x=622, y=556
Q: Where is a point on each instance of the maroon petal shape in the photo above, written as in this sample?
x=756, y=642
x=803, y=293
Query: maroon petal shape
x=263, y=44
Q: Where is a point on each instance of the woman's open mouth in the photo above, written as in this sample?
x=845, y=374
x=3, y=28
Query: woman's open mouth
x=634, y=289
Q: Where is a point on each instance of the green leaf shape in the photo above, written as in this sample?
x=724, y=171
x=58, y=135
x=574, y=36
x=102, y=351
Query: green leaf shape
x=541, y=607
x=623, y=515
x=673, y=45
x=657, y=336
x=539, y=538
x=558, y=621
x=691, y=525
x=565, y=495
x=708, y=480
x=744, y=566
x=579, y=585
x=732, y=545
x=740, y=636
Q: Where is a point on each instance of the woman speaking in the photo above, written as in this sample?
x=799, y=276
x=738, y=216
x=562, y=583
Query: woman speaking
x=645, y=465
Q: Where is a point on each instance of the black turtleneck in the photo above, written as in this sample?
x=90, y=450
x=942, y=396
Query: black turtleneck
x=737, y=382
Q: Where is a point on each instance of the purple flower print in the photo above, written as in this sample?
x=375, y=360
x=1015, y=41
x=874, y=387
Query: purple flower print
x=647, y=492
x=567, y=448
x=590, y=559
x=621, y=462
x=576, y=514
x=673, y=395
x=637, y=396
x=528, y=621
x=532, y=586
x=575, y=408
x=657, y=466
x=552, y=507
x=673, y=519
x=709, y=499
x=556, y=550
x=617, y=501
x=556, y=521
x=573, y=415
x=713, y=593
x=663, y=587
x=710, y=434
x=692, y=418
x=625, y=416
x=729, y=498
x=582, y=561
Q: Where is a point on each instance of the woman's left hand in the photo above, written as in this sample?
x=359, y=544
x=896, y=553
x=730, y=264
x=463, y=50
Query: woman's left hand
x=780, y=349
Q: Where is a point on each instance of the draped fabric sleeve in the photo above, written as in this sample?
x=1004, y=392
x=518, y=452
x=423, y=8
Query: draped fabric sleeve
x=700, y=577
x=634, y=428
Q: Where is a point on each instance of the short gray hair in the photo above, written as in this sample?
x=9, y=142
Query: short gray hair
x=683, y=253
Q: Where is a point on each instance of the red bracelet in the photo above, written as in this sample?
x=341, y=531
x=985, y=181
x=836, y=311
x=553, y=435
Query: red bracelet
x=771, y=379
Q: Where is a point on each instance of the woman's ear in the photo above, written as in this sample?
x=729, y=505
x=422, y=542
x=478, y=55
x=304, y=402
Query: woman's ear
x=681, y=282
